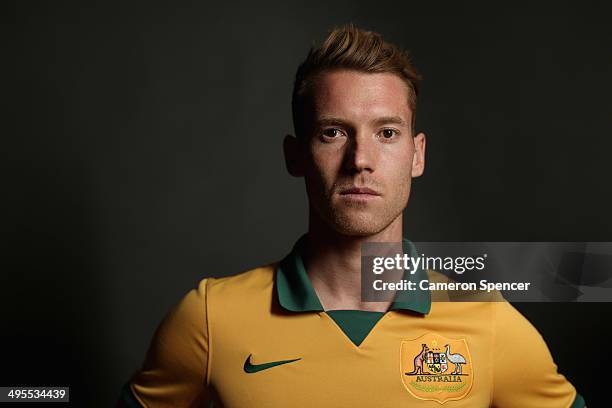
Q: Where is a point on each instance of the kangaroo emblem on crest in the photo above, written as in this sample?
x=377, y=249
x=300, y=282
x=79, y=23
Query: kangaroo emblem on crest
x=418, y=361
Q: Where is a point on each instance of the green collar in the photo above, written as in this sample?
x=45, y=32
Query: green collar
x=296, y=294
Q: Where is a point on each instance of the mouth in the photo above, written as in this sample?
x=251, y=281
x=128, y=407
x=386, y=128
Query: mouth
x=359, y=193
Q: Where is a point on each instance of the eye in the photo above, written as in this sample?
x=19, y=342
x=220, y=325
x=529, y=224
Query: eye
x=332, y=132
x=388, y=133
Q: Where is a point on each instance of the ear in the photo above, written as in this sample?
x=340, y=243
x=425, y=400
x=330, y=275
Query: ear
x=293, y=156
x=418, y=160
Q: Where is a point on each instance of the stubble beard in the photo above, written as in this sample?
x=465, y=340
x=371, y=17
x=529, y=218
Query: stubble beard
x=359, y=219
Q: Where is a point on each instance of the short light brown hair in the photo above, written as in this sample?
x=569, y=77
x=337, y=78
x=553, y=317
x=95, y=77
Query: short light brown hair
x=349, y=47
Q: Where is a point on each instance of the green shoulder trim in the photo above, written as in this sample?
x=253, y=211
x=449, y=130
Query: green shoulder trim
x=127, y=398
x=579, y=402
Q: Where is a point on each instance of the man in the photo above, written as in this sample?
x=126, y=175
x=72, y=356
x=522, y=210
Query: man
x=296, y=333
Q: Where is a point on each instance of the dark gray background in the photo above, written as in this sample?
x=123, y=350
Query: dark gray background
x=142, y=152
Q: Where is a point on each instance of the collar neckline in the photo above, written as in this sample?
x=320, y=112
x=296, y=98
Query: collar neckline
x=296, y=294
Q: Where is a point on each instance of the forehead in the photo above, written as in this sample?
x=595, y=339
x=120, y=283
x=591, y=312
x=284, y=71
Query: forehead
x=357, y=95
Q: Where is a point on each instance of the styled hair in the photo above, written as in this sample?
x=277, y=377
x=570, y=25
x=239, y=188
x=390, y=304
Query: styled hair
x=352, y=48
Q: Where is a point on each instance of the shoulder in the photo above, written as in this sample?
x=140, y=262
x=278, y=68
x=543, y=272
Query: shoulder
x=513, y=330
x=252, y=280
x=510, y=320
x=190, y=314
x=518, y=344
x=250, y=289
x=525, y=372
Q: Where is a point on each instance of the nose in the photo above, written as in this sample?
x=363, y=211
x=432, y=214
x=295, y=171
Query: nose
x=360, y=154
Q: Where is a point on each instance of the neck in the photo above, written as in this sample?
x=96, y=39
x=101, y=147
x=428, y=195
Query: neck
x=333, y=264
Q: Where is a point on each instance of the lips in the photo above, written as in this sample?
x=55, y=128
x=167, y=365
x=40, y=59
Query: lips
x=359, y=191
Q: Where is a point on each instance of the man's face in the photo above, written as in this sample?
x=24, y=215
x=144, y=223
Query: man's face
x=360, y=154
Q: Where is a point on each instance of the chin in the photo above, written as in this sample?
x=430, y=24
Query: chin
x=359, y=225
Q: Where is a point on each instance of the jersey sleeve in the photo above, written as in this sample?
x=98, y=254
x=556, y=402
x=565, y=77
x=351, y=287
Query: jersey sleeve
x=174, y=373
x=524, y=373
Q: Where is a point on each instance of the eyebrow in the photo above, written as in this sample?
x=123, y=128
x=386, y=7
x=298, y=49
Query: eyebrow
x=330, y=121
x=389, y=120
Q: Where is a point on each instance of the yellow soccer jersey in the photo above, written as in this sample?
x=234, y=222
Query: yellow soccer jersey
x=262, y=339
